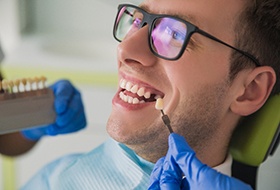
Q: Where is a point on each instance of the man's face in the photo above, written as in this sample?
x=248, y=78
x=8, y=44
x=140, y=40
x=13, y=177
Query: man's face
x=195, y=88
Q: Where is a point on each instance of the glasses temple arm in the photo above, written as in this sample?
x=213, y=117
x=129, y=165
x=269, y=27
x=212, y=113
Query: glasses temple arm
x=238, y=50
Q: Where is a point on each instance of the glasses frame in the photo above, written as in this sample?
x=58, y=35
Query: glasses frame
x=149, y=19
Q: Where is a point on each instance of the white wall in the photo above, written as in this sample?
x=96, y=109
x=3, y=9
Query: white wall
x=9, y=25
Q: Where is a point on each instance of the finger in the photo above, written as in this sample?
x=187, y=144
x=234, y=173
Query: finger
x=155, y=175
x=184, y=156
x=51, y=130
x=184, y=184
x=74, y=108
x=199, y=175
x=34, y=134
x=171, y=176
x=79, y=122
x=63, y=92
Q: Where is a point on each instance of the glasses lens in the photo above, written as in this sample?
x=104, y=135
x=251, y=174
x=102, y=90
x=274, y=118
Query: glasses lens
x=168, y=36
x=127, y=22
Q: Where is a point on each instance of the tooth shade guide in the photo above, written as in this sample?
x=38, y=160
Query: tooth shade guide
x=4, y=85
x=17, y=84
x=159, y=104
x=22, y=85
x=20, y=88
x=43, y=81
x=164, y=117
x=21, y=108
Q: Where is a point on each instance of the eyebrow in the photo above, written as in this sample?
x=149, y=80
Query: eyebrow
x=190, y=18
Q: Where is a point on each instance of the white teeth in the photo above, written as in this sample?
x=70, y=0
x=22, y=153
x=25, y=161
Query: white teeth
x=134, y=89
x=122, y=83
x=130, y=99
x=128, y=86
x=135, y=101
x=141, y=91
x=157, y=97
x=121, y=95
x=147, y=95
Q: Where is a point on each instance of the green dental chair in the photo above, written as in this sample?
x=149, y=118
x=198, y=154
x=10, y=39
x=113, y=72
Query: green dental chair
x=256, y=138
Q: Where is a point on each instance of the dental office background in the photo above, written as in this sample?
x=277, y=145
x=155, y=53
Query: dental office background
x=73, y=39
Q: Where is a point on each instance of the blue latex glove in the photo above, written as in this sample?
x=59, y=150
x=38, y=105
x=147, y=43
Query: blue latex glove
x=70, y=112
x=181, y=160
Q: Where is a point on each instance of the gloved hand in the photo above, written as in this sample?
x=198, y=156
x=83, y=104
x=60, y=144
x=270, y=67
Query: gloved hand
x=181, y=161
x=69, y=108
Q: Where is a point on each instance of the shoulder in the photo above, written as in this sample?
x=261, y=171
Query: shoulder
x=68, y=166
x=42, y=179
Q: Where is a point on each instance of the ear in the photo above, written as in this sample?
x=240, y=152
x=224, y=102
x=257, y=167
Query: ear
x=257, y=87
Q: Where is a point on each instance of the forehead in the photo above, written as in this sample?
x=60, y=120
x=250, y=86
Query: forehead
x=213, y=16
x=177, y=13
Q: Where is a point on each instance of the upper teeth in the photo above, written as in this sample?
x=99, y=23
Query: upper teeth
x=133, y=88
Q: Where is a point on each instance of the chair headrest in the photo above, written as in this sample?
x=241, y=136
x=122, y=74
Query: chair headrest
x=257, y=135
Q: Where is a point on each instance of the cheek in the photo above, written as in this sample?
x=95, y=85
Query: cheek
x=184, y=76
x=198, y=69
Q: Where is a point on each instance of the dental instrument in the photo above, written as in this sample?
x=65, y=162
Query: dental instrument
x=165, y=118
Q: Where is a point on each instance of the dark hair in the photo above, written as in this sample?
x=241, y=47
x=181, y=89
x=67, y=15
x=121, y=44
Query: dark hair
x=258, y=32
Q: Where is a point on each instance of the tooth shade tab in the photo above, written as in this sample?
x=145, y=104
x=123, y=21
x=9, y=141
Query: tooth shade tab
x=159, y=104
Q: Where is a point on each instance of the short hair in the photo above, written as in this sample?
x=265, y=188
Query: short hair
x=258, y=32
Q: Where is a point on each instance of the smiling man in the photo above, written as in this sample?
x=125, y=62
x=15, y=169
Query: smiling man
x=212, y=62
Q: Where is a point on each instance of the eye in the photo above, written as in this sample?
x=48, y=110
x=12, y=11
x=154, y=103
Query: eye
x=175, y=34
x=137, y=18
x=178, y=35
x=137, y=22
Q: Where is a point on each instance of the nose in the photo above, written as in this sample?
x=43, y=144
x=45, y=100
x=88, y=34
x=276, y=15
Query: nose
x=135, y=48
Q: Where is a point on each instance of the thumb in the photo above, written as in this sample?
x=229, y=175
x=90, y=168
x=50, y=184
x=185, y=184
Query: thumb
x=199, y=175
x=184, y=156
x=155, y=175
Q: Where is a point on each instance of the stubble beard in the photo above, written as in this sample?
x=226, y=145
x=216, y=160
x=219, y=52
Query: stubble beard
x=197, y=119
x=151, y=142
x=201, y=123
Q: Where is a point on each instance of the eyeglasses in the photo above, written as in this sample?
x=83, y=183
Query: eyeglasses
x=168, y=35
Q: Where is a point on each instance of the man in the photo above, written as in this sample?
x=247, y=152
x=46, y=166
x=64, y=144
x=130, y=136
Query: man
x=209, y=77
x=70, y=118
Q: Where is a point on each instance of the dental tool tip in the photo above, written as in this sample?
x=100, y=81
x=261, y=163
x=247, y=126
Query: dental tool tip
x=166, y=121
x=165, y=118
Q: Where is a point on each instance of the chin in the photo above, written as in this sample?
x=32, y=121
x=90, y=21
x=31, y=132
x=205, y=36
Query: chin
x=117, y=130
